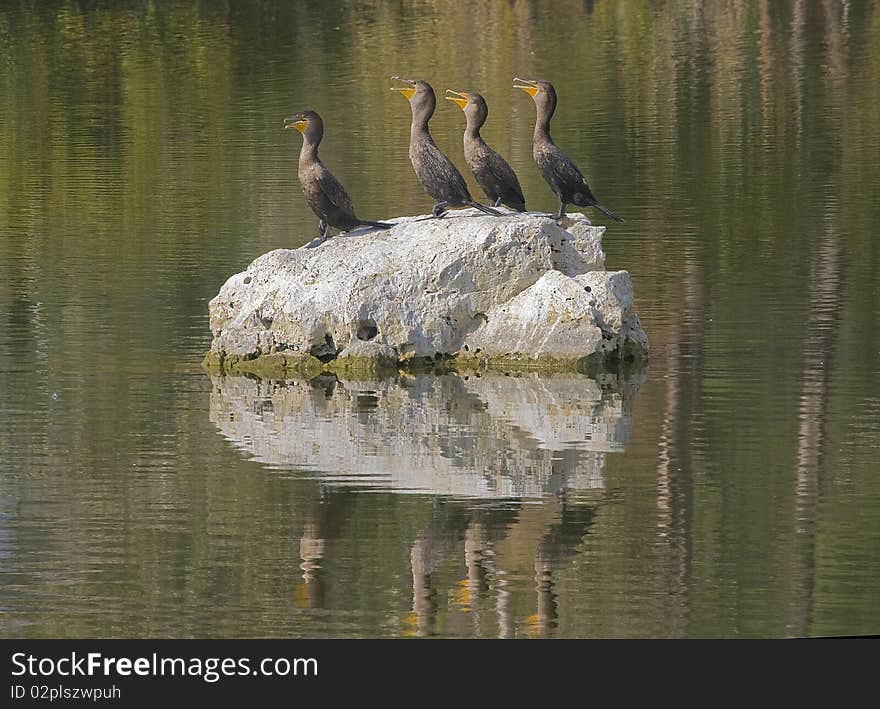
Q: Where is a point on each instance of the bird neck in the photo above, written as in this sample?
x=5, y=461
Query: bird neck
x=309, y=151
x=312, y=136
x=473, y=138
x=542, y=129
x=420, y=123
x=421, y=114
x=472, y=132
x=419, y=130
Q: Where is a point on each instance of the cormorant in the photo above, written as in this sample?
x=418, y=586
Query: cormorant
x=323, y=192
x=557, y=168
x=440, y=178
x=491, y=171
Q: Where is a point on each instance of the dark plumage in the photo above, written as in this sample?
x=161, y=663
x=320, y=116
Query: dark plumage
x=557, y=168
x=440, y=178
x=324, y=194
x=491, y=171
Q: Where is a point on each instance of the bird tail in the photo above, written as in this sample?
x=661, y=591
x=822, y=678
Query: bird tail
x=378, y=225
x=484, y=208
x=607, y=212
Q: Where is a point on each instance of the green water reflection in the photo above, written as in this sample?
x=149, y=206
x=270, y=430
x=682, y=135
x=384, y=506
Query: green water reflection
x=143, y=162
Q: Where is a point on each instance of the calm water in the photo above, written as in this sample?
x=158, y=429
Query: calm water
x=732, y=490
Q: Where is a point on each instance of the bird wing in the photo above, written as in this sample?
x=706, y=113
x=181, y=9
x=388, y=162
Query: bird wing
x=503, y=173
x=566, y=167
x=569, y=173
x=333, y=189
x=444, y=169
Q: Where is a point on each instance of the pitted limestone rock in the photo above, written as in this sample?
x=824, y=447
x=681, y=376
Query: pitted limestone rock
x=521, y=287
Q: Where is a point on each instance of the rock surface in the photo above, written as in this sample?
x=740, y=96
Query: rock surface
x=486, y=436
x=519, y=289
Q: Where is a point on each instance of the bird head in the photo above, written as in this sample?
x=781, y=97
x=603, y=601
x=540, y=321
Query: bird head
x=419, y=94
x=542, y=92
x=472, y=103
x=308, y=123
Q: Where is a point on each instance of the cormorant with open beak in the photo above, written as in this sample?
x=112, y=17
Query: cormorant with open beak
x=557, y=168
x=440, y=178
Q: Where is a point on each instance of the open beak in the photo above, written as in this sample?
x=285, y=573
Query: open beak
x=295, y=122
x=407, y=92
x=527, y=85
x=460, y=97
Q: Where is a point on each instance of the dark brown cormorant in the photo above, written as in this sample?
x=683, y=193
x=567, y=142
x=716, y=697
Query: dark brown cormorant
x=491, y=171
x=440, y=178
x=557, y=168
x=323, y=192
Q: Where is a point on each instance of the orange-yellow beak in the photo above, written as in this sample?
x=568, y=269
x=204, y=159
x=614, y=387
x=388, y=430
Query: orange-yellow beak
x=298, y=123
x=460, y=97
x=530, y=87
x=407, y=92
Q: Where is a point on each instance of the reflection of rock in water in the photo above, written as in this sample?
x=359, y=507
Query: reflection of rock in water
x=477, y=436
x=559, y=411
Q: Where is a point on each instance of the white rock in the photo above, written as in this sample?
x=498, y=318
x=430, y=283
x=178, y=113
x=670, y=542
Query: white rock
x=561, y=317
x=511, y=286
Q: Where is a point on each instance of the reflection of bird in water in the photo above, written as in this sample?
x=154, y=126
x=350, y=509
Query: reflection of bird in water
x=422, y=619
x=440, y=178
x=557, y=546
x=557, y=168
x=324, y=194
x=469, y=591
x=440, y=536
x=325, y=518
x=312, y=548
x=491, y=171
